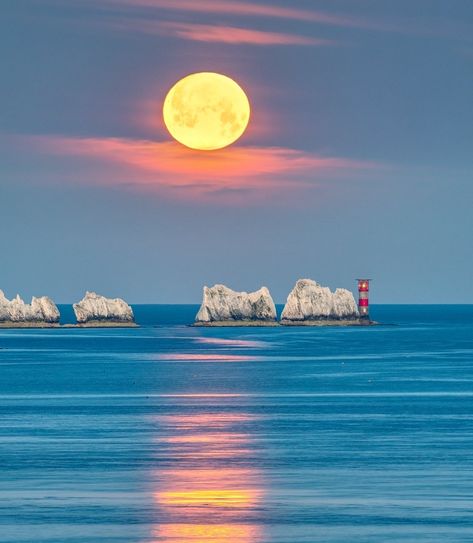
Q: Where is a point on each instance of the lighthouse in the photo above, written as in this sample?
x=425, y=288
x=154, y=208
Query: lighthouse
x=363, y=299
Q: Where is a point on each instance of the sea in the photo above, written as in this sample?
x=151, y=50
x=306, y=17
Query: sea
x=175, y=434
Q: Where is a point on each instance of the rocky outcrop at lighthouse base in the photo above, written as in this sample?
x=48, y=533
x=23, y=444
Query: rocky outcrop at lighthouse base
x=222, y=306
x=42, y=312
x=96, y=310
x=312, y=304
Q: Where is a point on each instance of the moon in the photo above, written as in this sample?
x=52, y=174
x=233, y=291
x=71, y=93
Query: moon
x=206, y=111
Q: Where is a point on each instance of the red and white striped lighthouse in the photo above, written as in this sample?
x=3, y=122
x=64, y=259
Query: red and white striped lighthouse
x=363, y=298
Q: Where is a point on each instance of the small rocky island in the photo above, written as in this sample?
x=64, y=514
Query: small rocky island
x=311, y=304
x=222, y=306
x=42, y=312
x=308, y=304
x=97, y=311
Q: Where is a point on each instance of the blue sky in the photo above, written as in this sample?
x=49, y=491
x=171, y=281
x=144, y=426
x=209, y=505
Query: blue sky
x=358, y=159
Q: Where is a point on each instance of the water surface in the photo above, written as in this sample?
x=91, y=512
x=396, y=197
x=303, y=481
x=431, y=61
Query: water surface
x=189, y=435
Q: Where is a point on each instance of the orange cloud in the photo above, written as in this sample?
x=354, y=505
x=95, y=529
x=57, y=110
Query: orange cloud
x=217, y=33
x=181, y=172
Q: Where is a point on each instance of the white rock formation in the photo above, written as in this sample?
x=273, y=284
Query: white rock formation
x=310, y=301
x=221, y=303
x=41, y=310
x=94, y=307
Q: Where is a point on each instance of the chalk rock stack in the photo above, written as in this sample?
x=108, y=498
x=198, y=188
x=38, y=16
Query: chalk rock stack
x=96, y=309
x=221, y=304
x=309, y=301
x=41, y=311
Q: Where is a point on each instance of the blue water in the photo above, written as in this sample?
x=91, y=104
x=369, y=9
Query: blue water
x=174, y=434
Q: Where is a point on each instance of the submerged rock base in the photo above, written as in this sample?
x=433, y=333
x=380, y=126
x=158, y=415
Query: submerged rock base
x=235, y=323
x=102, y=324
x=29, y=324
x=320, y=323
x=91, y=324
x=329, y=322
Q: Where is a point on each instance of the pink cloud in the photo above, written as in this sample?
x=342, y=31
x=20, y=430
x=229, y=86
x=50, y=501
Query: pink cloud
x=406, y=25
x=217, y=33
x=243, y=8
x=179, y=172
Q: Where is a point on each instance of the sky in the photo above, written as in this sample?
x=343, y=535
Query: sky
x=357, y=161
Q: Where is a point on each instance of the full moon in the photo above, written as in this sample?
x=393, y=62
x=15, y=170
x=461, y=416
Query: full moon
x=206, y=111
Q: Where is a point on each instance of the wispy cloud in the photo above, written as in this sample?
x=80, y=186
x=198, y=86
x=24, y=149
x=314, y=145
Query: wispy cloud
x=243, y=9
x=407, y=25
x=216, y=33
x=171, y=169
x=150, y=16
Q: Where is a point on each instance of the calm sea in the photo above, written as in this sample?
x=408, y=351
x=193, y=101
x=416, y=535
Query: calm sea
x=174, y=434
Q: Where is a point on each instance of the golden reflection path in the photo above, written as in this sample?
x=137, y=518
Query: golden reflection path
x=198, y=357
x=210, y=491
